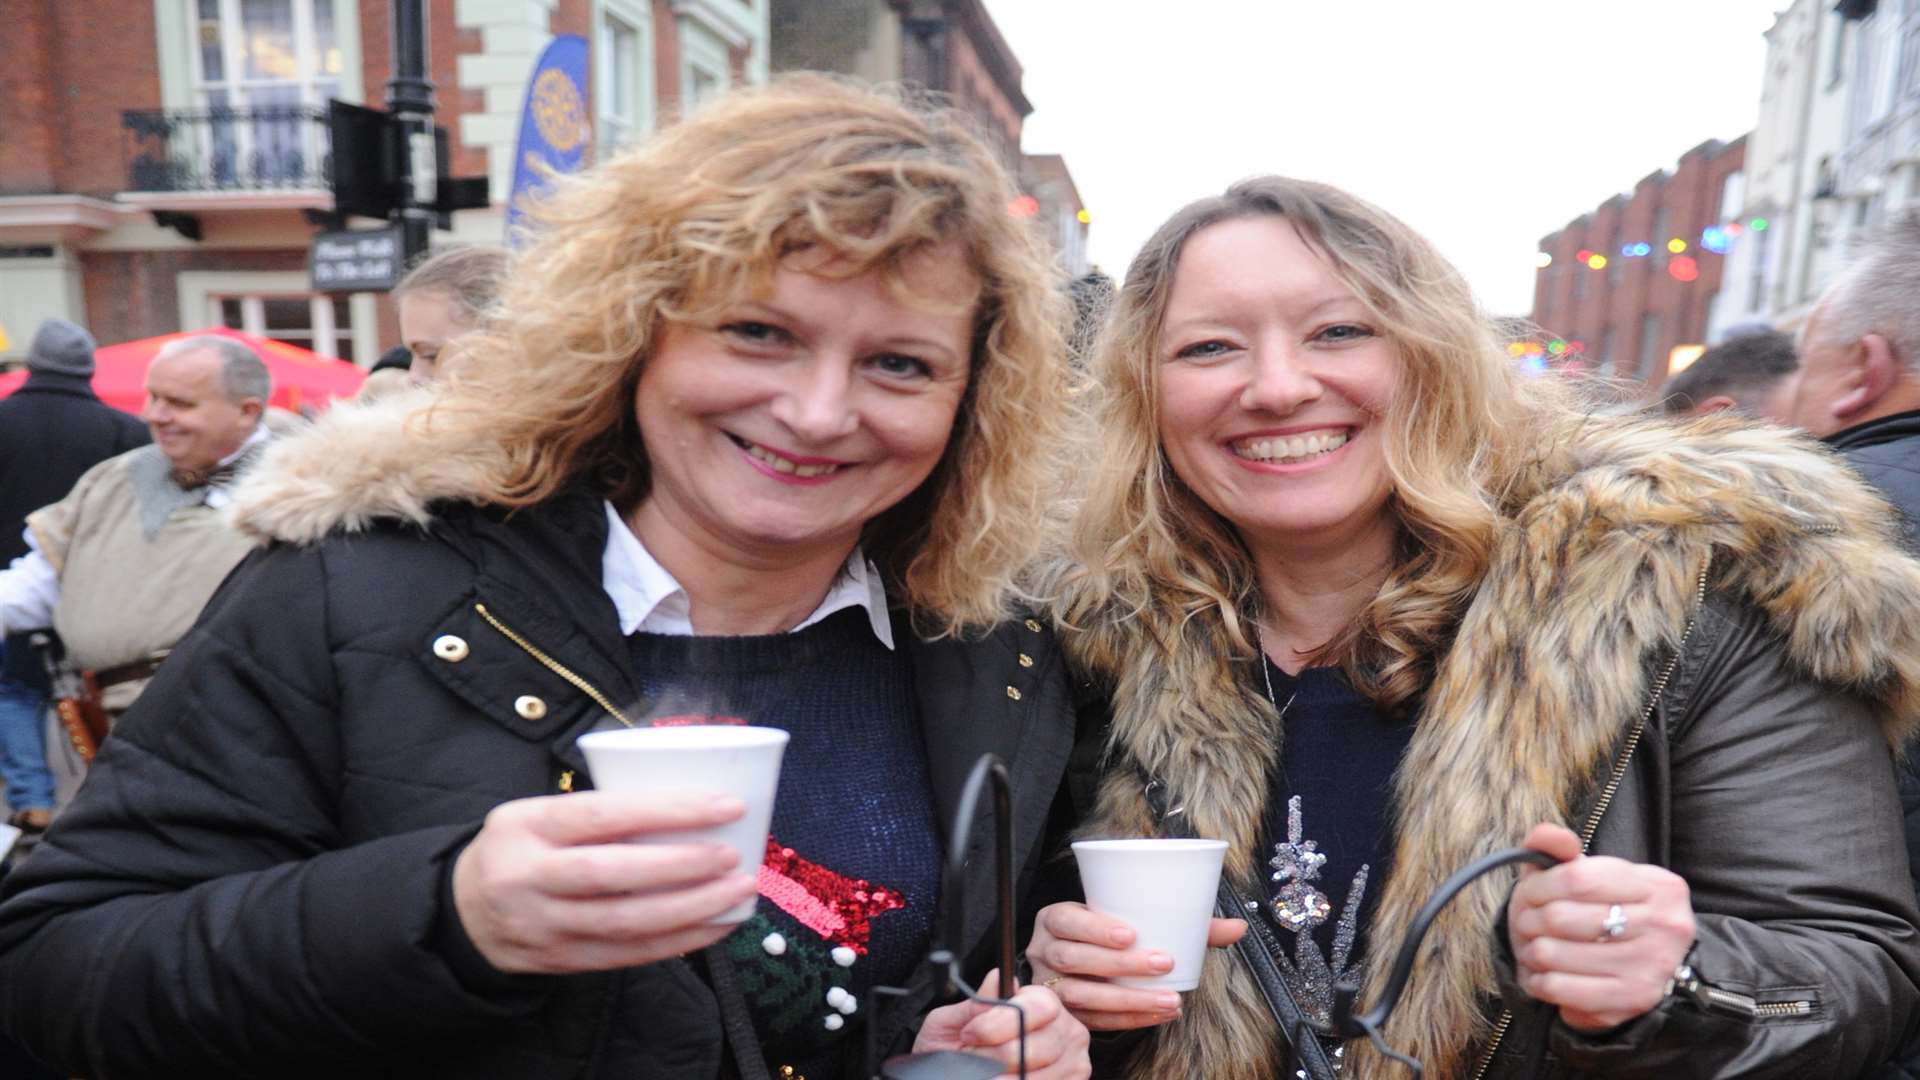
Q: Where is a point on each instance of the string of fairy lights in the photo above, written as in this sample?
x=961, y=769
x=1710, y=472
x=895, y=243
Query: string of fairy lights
x=1682, y=267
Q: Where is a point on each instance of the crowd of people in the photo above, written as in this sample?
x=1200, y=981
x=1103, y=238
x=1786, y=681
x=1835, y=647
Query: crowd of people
x=781, y=416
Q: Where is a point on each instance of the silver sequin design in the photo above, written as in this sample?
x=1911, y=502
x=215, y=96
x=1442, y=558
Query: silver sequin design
x=1299, y=907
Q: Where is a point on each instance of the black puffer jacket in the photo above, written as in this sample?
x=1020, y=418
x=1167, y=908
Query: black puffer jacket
x=255, y=879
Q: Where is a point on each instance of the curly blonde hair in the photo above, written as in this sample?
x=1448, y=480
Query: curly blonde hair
x=702, y=216
x=1147, y=557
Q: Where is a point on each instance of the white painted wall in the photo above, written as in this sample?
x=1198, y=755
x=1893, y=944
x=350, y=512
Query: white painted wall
x=512, y=33
x=32, y=289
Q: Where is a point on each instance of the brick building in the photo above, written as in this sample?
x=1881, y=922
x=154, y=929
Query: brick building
x=1056, y=202
x=947, y=45
x=1641, y=303
x=951, y=46
x=161, y=158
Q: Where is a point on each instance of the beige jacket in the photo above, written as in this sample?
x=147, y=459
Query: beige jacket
x=125, y=595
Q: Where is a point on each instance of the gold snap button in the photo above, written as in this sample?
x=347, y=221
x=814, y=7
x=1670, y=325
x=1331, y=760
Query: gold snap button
x=1025, y=660
x=1013, y=692
x=450, y=648
x=1033, y=625
x=530, y=707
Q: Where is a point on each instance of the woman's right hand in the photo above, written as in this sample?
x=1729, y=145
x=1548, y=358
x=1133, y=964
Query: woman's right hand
x=549, y=885
x=1075, y=950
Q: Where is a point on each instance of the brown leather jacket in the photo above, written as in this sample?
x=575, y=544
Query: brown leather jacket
x=1780, y=993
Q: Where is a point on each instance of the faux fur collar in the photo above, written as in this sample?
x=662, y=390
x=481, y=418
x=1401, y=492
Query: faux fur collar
x=360, y=462
x=1593, y=577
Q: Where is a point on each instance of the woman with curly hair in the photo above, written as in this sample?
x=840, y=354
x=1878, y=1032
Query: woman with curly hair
x=1370, y=604
x=758, y=431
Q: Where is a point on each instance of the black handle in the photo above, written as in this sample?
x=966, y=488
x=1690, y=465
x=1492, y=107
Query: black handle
x=951, y=1065
x=953, y=892
x=1349, y=1024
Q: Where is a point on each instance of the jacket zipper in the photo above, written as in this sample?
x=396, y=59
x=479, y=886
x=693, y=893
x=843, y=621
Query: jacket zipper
x=1612, y=788
x=1728, y=1003
x=553, y=665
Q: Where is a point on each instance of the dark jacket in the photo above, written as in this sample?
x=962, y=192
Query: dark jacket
x=1886, y=452
x=255, y=880
x=52, y=430
x=1684, y=611
x=1738, y=744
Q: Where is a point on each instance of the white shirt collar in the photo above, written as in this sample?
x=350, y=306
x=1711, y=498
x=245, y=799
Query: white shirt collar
x=259, y=434
x=648, y=598
x=217, y=495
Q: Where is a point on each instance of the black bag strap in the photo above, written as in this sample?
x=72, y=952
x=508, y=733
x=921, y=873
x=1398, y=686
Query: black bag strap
x=1256, y=951
x=736, y=1023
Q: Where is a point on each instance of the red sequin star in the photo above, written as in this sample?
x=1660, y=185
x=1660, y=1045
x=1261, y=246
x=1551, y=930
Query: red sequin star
x=836, y=907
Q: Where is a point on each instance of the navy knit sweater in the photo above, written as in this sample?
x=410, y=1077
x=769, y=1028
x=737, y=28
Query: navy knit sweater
x=1330, y=860
x=847, y=895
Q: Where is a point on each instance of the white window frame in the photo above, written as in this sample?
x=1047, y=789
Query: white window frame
x=705, y=53
x=233, y=53
x=239, y=137
x=614, y=131
x=176, y=39
x=201, y=292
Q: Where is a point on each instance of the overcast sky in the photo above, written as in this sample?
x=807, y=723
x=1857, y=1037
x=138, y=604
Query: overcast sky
x=1485, y=125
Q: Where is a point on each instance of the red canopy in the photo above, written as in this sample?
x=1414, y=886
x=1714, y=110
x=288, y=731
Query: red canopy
x=301, y=379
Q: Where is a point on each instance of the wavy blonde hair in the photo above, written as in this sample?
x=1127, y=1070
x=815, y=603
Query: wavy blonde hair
x=701, y=216
x=1147, y=558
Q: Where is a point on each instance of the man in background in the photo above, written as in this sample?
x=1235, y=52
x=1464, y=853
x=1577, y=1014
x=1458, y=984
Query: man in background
x=1859, y=382
x=1858, y=389
x=122, y=564
x=1747, y=373
x=52, y=430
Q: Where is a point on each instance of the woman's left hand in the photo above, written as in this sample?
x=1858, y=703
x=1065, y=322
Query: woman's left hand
x=1056, y=1042
x=1601, y=967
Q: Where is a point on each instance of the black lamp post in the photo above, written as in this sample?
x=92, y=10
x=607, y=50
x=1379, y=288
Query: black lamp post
x=410, y=101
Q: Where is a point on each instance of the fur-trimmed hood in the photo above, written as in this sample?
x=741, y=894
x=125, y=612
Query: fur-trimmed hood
x=360, y=462
x=1592, y=580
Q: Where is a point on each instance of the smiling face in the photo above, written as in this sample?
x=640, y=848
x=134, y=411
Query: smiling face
x=779, y=427
x=193, y=421
x=1273, y=383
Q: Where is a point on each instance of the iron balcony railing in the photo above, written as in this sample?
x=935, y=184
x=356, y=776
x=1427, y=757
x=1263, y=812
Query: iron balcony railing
x=257, y=148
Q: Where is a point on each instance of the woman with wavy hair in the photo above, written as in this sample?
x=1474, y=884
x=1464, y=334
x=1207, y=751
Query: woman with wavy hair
x=758, y=432
x=1370, y=604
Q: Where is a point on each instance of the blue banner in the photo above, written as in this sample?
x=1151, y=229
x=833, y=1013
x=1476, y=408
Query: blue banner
x=554, y=130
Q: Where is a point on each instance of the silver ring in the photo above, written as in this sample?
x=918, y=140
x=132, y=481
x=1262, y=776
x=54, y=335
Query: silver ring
x=1615, y=924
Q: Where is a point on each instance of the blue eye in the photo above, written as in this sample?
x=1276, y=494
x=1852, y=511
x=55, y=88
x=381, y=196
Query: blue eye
x=757, y=333
x=1202, y=350
x=1346, y=332
x=900, y=364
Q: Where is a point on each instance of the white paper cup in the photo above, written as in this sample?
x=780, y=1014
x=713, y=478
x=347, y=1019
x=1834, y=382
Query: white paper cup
x=698, y=759
x=1165, y=890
